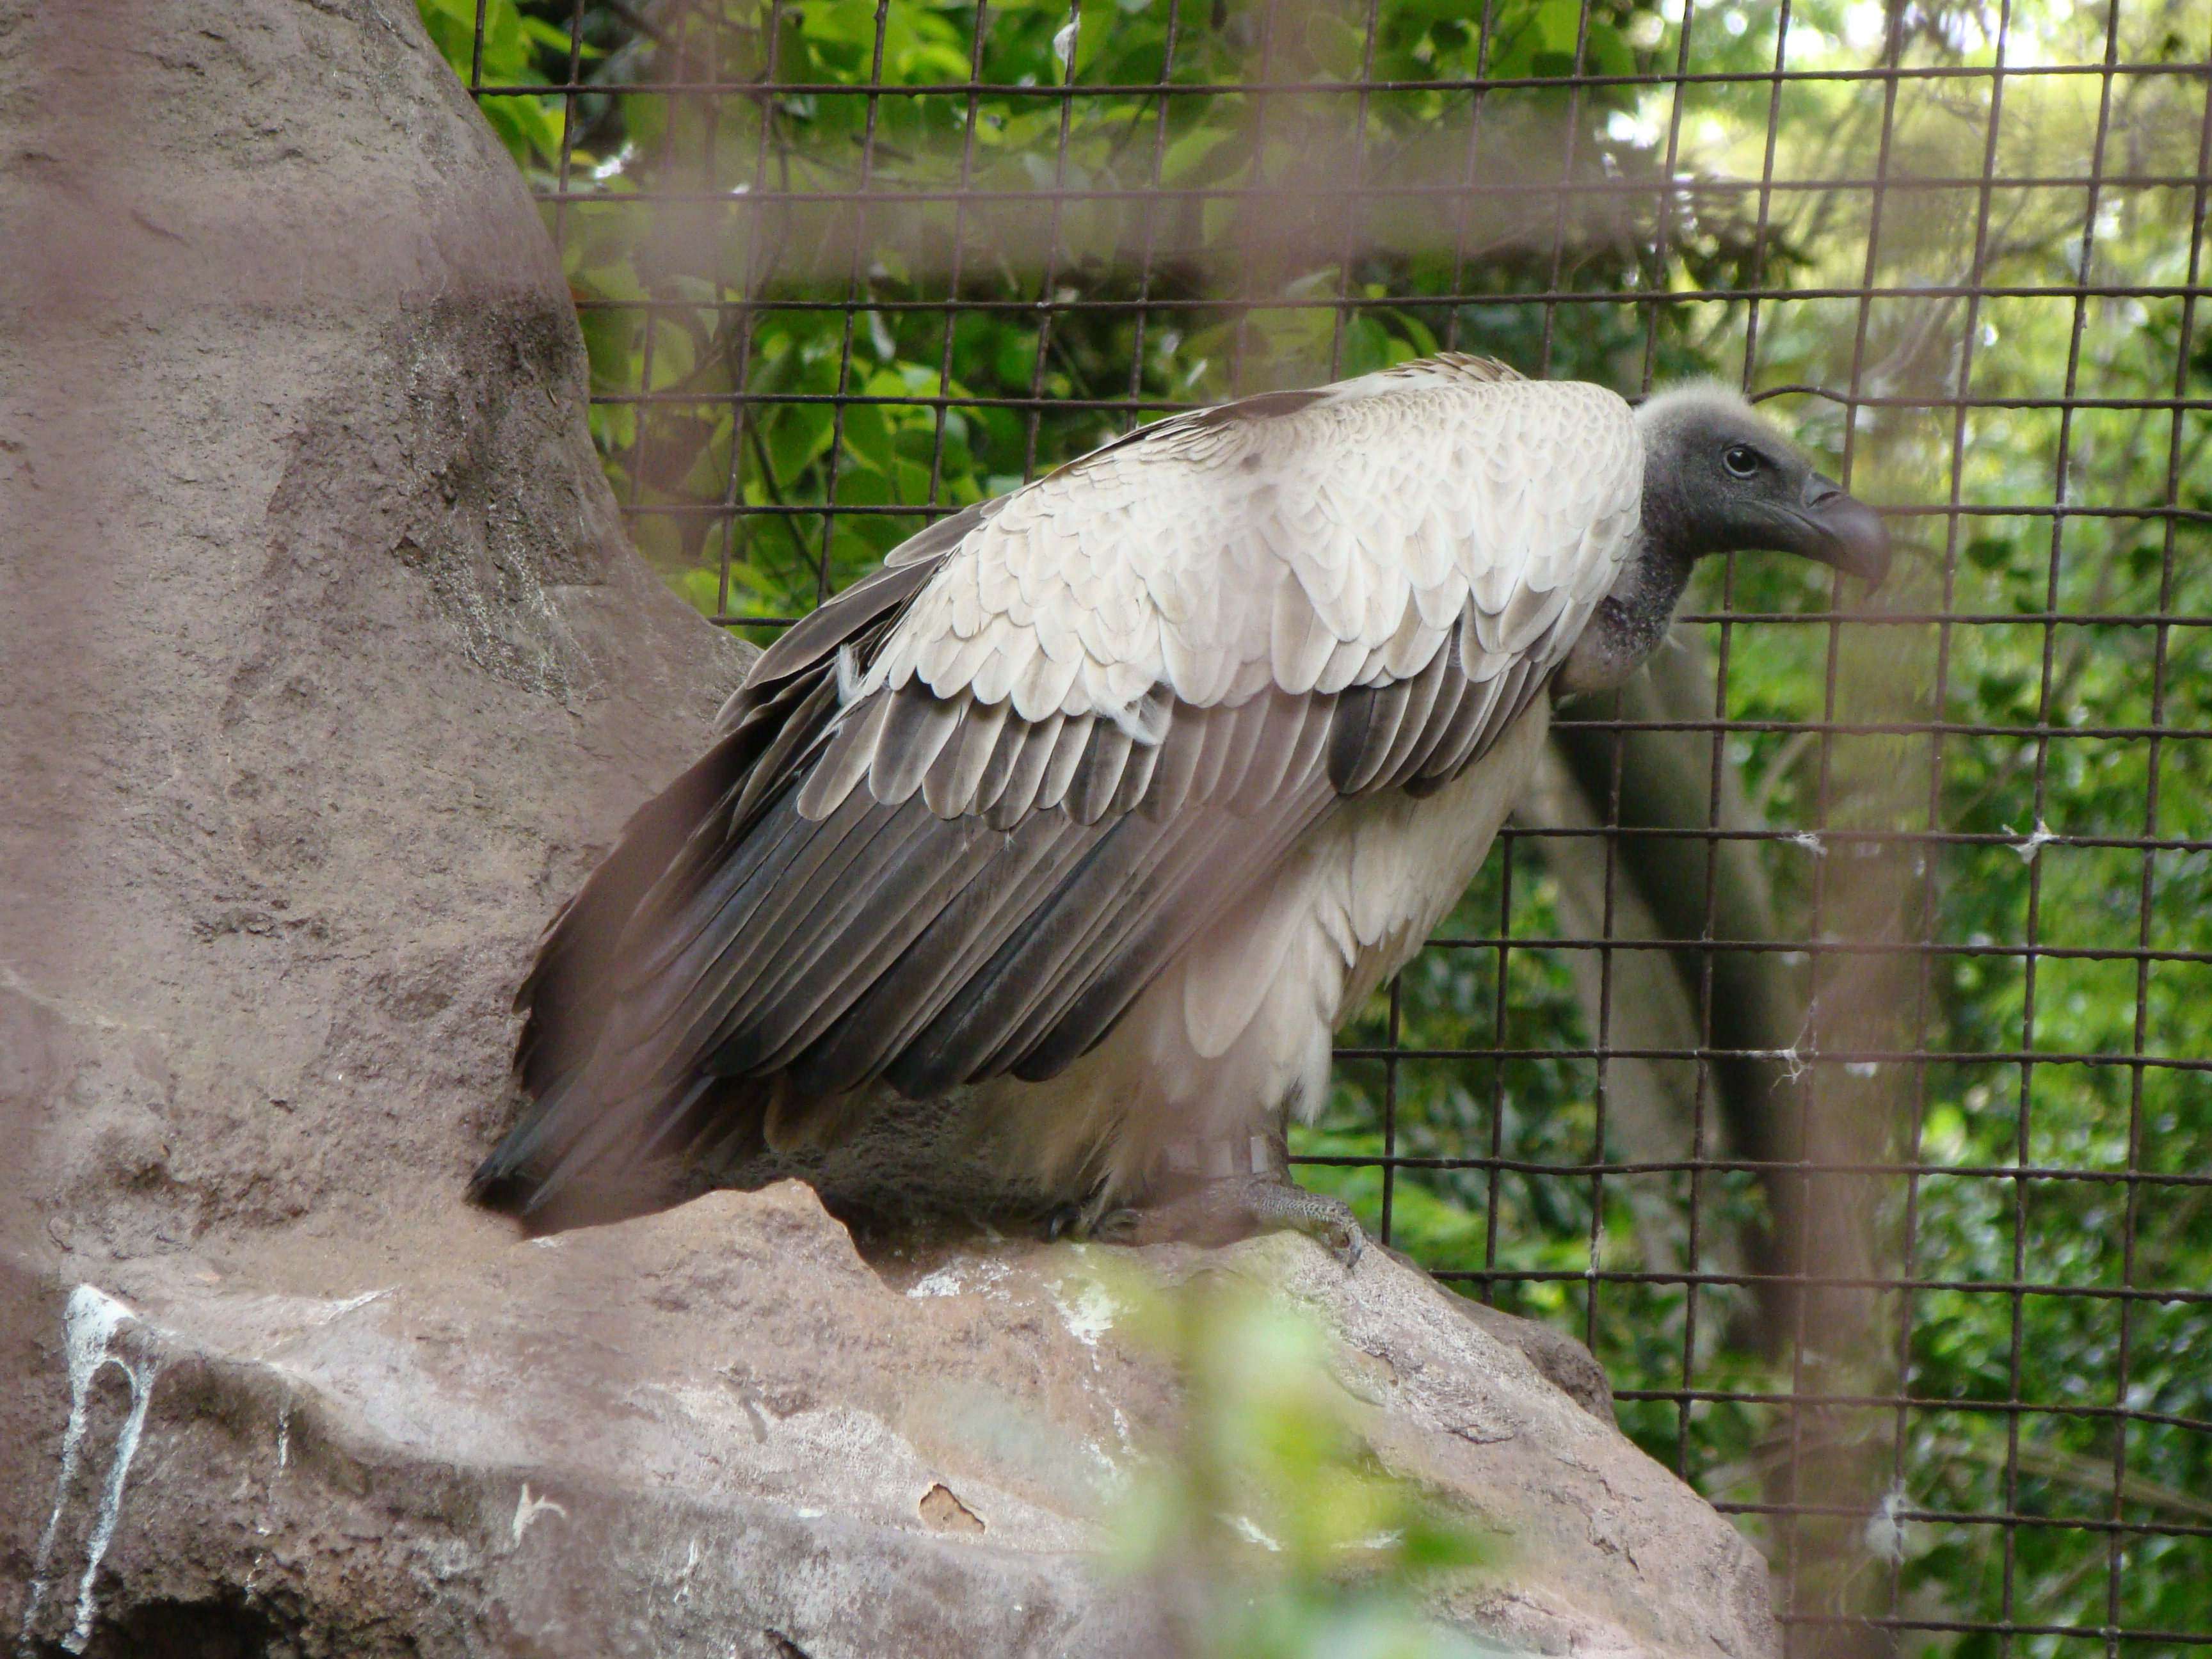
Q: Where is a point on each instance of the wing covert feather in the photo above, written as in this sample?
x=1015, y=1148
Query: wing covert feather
x=1326, y=542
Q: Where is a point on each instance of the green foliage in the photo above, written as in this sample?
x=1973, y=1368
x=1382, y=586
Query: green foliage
x=963, y=405
x=1995, y=778
x=515, y=48
x=761, y=340
x=1270, y=1529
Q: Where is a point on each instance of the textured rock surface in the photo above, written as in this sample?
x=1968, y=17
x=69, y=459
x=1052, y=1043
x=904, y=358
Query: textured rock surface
x=326, y=670
x=721, y=1425
x=323, y=675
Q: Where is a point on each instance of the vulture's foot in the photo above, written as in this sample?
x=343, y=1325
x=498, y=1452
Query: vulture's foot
x=1095, y=1221
x=1220, y=1213
x=1279, y=1206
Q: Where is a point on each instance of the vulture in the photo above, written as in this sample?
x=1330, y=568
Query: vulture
x=1029, y=876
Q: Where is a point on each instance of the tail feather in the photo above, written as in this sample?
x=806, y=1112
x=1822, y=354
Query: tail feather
x=578, y=1159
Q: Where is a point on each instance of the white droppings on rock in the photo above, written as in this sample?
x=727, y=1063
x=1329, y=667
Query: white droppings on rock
x=1248, y=1530
x=528, y=1508
x=330, y=1311
x=1088, y=1312
x=90, y=1323
x=963, y=1278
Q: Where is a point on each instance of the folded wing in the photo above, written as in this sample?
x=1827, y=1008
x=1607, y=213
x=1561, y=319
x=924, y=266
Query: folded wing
x=959, y=818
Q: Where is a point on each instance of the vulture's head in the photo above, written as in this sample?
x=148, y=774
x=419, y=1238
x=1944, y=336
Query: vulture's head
x=1718, y=478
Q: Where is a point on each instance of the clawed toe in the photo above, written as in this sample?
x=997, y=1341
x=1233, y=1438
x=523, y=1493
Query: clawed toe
x=1122, y=1225
x=1329, y=1221
x=1346, y=1240
x=1096, y=1221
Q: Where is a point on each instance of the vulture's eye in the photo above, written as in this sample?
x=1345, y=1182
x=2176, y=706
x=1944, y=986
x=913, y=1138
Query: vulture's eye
x=1741, y=459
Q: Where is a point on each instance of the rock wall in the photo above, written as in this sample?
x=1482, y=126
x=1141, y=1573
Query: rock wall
x=326, y=663
x=325, y=674
x=325, y=668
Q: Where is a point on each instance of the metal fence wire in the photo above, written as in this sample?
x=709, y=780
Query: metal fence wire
x=1826, y=1042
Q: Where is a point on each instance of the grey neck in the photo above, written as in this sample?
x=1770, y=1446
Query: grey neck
x=1632, y=620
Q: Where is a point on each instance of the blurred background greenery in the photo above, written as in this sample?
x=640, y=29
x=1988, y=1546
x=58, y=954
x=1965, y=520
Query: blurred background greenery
x=1269, y=1530
x=1964, y=870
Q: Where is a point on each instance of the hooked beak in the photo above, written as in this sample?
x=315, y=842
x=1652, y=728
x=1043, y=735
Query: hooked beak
x=1840, y=530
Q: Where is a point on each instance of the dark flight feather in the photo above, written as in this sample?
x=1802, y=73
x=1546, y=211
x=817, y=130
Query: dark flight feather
x=919, y=725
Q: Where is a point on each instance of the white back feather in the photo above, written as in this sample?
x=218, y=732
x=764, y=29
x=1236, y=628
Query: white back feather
x=1335, y=545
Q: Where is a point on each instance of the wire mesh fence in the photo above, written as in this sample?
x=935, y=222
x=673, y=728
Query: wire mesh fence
x=1827, y=1040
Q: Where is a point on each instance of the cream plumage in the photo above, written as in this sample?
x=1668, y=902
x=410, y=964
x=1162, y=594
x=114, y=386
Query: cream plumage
x=1088, y=817
x=1345, y=539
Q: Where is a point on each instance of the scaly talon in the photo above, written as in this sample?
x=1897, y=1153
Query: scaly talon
x=1278, y=1204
